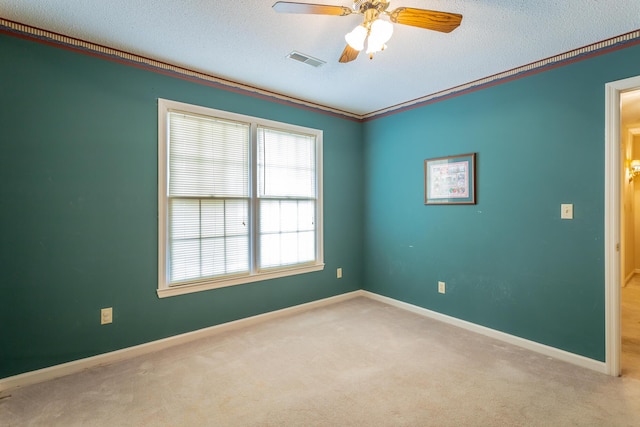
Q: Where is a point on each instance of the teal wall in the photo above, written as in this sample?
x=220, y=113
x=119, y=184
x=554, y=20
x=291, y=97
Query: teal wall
x=509, y=262
x=78, y=220
x=78, y=216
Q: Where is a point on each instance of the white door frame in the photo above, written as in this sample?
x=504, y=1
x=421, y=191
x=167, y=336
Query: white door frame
x=612, y=179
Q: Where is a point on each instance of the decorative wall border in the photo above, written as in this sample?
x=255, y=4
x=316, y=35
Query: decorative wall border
x=93, y=49
x=589, y=51
x=48, y=37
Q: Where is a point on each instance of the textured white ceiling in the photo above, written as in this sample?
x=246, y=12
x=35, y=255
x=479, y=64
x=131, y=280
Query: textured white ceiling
x=247, y=42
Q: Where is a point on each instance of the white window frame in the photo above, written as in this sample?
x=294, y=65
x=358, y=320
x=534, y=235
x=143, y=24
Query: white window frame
x=165, y=289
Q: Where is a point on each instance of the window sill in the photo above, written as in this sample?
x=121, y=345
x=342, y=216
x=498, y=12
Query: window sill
x=215, y=284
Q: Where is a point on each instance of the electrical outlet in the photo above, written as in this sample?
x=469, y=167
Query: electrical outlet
x=106, y=315
x=441, y=287
x=339, y=273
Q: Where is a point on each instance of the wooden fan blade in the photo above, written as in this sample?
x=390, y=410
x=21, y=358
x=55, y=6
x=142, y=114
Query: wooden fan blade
x=348, y=54
x=429, y=19
x=317, y=9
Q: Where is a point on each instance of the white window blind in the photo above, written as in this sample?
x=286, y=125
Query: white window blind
x=287, y=187
x=286, y=164
x=208, y=197
x=239, y=198
x=208, y=157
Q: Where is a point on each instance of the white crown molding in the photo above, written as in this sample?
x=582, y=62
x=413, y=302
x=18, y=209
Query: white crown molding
x=159, y=66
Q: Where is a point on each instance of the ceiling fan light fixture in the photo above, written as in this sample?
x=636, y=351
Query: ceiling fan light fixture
x=380, y=33
x=355, y=38
x=377, y=30
x=381, y=30
x=374, y=46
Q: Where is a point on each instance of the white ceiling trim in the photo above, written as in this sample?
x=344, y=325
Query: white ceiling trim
x=534, y=67
x=115, y=54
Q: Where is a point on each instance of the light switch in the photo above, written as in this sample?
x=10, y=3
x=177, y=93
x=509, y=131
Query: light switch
x=106, y=315
x=566, y=211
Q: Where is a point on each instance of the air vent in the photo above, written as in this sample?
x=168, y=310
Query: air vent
x=305, y=59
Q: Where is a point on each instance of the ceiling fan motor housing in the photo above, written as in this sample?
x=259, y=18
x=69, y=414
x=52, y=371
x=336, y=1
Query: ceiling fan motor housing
x=372, y=9
x=362, y=6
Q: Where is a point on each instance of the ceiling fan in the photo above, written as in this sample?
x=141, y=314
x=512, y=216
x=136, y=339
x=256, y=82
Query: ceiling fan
x=377, y=30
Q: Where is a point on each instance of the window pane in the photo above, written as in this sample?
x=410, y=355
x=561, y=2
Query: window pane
x=185, y=219
x=288, y=248
x=207, y=157
x=208, y=238
x=225, y=255
x=287, y=232
x=236, y=252
x=269, y=216
x=269, y=250
x=289, y=215
x=212, y=221
x=236, y=218
x=185, y=260
x=213, y=264
x=306, y=215
x=306, y=246
x=286, y=164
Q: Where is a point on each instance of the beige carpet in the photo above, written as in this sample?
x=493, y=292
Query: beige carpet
x=355, y=363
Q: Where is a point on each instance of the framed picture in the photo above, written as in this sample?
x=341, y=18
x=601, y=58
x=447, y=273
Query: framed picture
x=450, y=180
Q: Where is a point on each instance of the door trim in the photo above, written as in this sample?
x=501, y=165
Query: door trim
x=612, y=211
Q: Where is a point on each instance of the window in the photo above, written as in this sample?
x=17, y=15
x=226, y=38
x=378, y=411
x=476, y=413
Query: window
x=239, y=199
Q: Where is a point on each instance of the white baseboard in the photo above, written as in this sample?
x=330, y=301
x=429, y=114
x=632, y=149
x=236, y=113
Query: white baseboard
x=57, y=371
x=546, y=350
x=630, y=277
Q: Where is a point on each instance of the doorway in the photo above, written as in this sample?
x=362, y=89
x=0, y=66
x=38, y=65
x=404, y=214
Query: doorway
x=630, y=234
x=620, y=225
